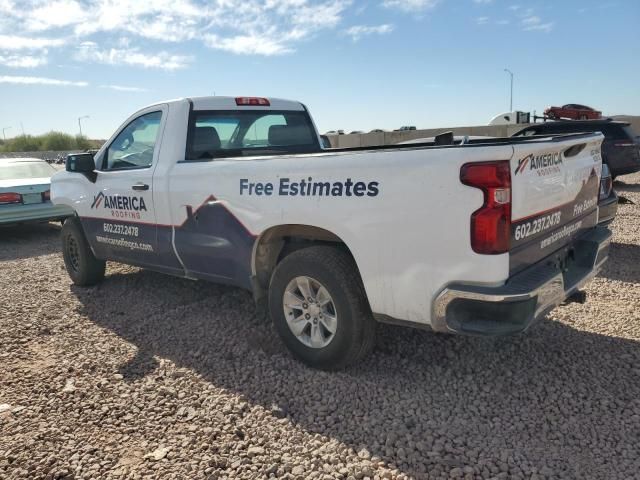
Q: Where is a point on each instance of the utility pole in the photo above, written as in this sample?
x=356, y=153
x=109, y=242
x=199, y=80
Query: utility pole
x=3, y=134
x=80, y=122
x=511, y=95
x=22, y=128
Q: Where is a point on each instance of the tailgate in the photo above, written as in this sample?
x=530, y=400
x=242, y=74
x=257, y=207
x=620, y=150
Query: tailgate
x=555, y=185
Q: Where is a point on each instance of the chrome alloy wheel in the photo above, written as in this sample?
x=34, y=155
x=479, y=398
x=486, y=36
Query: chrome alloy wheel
x=310, y=312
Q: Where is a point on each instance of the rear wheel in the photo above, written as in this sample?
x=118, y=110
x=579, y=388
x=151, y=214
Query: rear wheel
x=83, y=267
x=319, y=308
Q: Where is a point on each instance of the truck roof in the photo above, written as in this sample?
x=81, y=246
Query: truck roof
x=229, y=103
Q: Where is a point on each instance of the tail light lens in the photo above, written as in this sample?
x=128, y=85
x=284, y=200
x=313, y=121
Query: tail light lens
x=7, y=198
x=252, y=101
x=491, y=223
x=606, y=182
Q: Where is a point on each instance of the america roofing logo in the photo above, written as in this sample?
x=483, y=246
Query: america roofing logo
x=97, y=200
x=545, y=164
x=121, y=206
x=522, y=163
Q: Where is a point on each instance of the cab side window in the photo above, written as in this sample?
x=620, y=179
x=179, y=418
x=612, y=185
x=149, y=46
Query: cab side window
x=135, y=144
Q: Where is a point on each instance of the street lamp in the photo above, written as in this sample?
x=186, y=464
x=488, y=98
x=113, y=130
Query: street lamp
x=80, y=122
x=3, y=135
x=511, y=96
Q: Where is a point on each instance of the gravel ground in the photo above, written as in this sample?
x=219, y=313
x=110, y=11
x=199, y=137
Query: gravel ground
x=148, y=376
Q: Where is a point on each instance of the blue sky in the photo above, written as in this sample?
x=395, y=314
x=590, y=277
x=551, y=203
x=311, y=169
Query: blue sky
x=358, y=65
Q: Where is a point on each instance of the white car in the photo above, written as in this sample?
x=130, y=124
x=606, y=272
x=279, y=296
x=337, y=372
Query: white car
x=24, y=192
x=482, y=238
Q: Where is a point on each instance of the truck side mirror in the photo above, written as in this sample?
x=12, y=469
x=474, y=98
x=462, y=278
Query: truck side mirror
x=82, y=163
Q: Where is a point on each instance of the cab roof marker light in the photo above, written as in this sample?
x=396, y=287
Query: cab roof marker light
x=252, y=102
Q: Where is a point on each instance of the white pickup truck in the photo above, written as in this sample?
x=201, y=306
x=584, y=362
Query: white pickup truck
x=478, y=238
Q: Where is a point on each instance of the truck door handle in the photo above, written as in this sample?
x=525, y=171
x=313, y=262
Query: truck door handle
x=140, y=186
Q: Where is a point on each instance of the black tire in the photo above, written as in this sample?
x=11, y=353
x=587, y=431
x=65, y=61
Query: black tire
x=354, y=337
x=83, y=267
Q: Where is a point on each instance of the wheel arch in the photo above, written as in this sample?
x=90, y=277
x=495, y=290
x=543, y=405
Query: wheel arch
x=278, y=241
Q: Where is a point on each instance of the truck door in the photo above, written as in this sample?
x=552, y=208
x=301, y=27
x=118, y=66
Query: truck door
x=121, y=221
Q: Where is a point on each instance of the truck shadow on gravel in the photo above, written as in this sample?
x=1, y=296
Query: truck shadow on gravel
x=29, y=240
x=622, y=264
x=620, y=186
x=421, y=401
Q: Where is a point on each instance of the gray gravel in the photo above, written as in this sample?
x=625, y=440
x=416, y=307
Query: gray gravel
x=148, y=376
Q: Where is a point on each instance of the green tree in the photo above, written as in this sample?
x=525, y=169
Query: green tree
x=58, y=141
x=24, y=143
x=82, y=142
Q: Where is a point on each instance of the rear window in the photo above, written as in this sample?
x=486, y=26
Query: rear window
x=20, y=170
x=620, y=132
x=219, y=134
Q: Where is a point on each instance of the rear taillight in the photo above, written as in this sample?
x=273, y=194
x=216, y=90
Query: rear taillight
x=491, y=223
x=6, y=198
x=606, y=182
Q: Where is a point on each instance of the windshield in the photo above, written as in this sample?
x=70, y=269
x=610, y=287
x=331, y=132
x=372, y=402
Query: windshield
x=21, y=170
x=245, y=133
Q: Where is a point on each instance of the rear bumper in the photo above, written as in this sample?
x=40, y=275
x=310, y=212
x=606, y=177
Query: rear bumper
x=525, y=297
x=40, y=212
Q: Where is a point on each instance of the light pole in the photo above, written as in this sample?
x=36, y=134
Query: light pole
x=3, y=135
x=80, y=122
x=511, y=96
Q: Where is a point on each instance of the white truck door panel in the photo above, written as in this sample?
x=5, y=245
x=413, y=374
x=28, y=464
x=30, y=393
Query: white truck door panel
x=119, y=217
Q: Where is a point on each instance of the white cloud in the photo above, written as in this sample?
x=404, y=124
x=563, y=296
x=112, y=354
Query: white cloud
x=540, y=27
x=247, y=45
x=40, y=81
x=483, y=2
x=532, y=20
x=255, y=27
x=358, y=31
x=17, y=42
x=121, y=88
x=23, y=61
x=410, y=5
x=56, y=14
x=534, y=23
x=482, y=20
x=90, y=52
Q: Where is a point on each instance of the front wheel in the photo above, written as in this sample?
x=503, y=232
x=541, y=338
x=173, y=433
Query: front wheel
x=319, y=308
x=83, y=267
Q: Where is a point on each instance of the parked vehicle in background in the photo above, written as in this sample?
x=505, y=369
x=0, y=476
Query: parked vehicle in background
x=472, y=239
x=24, y=192
x=356, y=132
x=378, y=130
x=572, y=111
x=335, y=132
x=620, y=149
x=511, y=118
x=326, y=143
x=405, y=128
